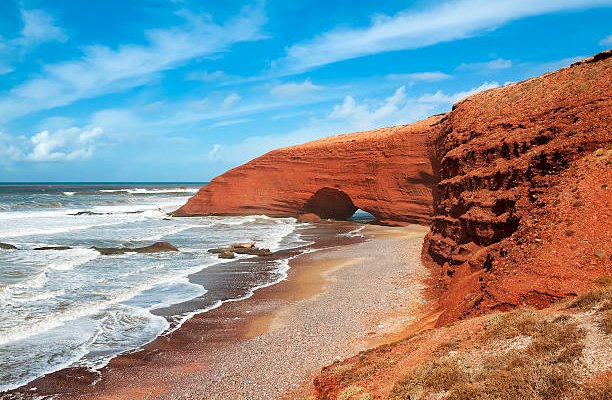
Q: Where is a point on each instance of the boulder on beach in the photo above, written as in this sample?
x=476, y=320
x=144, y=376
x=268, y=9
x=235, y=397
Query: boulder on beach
x=253, y=251
x=158, y=247
x=53, y=248
x=6, y=246
x=245, y=245
x=309, y=217
x=227, y=254
x=240, y=248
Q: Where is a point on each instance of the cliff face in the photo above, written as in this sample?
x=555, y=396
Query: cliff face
x=522, y=214
x=517, y=178
x=522, y=217
x=386, y=172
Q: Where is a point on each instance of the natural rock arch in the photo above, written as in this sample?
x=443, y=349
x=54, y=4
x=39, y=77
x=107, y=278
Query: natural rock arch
x=330, y=203
x=386, y=172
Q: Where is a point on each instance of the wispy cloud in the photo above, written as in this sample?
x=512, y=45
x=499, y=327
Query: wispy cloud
x=419, y=76
x=497, y=64
x=363, y=115
x=230, y=122
x=230, y=101
x=59, y=146
x=347, y=116
x=540, y=68
x=607, y=41
x=38, y=28
x=206, y=76
x=412, y=29
x=294, y=88
x=441, y=97
x=105, y=70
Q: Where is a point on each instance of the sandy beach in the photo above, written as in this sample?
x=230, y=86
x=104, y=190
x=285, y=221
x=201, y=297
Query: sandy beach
x=335, y=302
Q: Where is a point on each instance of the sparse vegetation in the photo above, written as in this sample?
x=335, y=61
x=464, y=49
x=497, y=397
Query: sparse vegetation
x=537, y=362
x=354, y=393
x=569, y=232
x=600, y=298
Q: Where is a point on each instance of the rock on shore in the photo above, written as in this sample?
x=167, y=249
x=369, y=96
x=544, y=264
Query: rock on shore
x=158, y=247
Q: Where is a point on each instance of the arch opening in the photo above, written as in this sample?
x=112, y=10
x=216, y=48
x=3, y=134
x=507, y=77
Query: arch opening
x=330, y=203
x=363, y=217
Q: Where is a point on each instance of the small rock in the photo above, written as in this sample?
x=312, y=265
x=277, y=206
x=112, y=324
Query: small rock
x=54, y=248
x=253, y=251
x=6, y=246
x=309, y=217
x=245, y=245
x=599, y=253
x=158, y=247
x=227, y=254
x=218, y=250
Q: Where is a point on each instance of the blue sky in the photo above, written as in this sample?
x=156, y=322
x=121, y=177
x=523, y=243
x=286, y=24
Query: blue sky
x=160, y=90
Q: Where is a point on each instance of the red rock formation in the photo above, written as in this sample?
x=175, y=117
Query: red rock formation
x=519, y=177
x=517, y=172
x=386, y=172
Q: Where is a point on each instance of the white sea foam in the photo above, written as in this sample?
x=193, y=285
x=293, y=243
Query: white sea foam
x=151, y=191
x=58, y=308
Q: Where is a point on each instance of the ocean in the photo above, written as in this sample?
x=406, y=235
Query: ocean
x=78, y=308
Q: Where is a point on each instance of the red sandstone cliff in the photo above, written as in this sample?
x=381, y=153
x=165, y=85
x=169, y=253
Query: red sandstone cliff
x=386, y=172
x=523, y=212
x=517, y=177
x=522, y=217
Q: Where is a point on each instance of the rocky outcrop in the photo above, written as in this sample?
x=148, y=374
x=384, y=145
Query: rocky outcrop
x=518, y=172
x=386, y=172
x=7, y=246
x=58, y=248
x=240, y=248
x=158, y=247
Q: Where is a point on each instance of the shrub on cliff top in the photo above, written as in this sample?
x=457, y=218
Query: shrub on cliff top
x=536, y=361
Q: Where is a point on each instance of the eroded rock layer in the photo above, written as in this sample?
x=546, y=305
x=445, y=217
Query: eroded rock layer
x=386, y=172
x=522, y=215
x=518, y=178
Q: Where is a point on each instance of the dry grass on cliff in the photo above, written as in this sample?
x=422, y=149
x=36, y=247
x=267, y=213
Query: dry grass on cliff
x=523, y=354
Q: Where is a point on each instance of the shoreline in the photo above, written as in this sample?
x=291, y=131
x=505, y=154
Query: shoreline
x=216, y=352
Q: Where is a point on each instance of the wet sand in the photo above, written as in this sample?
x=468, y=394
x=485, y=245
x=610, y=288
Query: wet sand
x=347, y=295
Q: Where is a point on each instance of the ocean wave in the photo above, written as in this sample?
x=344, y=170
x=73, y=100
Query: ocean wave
x=26, y=290
x=140, y=191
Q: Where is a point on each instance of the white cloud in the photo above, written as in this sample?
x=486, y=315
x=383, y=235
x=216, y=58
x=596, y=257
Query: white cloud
x=441, y=97
x=607, y=41
x=106, y=70
x=365, y=116
x=39, y=27
x=412, y=29
x=419, y=76
x=348, y=116
x=230, y=101
x=496, y=64
x=230, y=122
x=213, y=153
x=550, y=66
x=294, y=88
x=206, y=76
x=10, y=148
x=61, y=145
x=64, y=145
